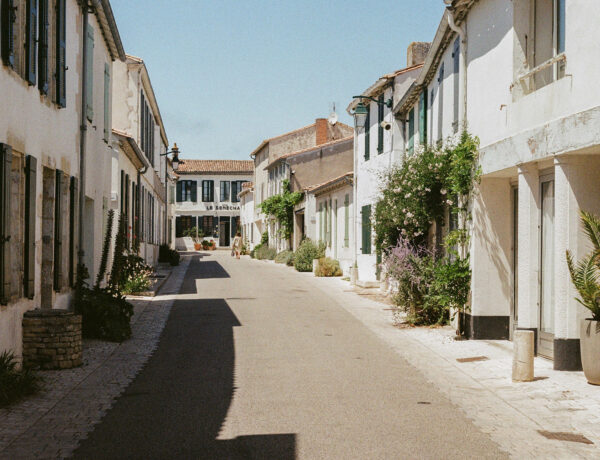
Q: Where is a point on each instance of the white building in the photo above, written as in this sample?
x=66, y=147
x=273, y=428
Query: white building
x=520, y=75
x=55, y=149
x=139, y=163
x=207, y=198
x=250, y=234
x=378, y=146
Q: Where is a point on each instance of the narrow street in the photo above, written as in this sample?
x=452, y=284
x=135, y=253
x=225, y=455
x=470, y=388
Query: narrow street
x=256, y=361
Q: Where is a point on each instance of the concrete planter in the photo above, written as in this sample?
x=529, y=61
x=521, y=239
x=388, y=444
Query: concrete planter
x=589, y=340
x=353, y=275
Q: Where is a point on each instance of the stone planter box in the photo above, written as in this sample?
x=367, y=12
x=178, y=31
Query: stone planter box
x=51, y=339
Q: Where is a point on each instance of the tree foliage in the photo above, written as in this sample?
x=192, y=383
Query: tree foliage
x=281, y=207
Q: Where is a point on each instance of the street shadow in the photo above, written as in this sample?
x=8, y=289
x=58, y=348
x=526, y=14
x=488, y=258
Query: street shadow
x=177, y=405
x=198, y=269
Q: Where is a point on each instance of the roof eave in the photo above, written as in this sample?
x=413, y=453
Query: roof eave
x=110, y=30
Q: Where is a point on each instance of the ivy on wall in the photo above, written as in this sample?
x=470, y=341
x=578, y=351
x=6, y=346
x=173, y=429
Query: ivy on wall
x=281, y=207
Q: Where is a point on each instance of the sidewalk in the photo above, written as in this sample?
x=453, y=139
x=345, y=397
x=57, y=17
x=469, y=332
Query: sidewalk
x=51, y=424
x=514, y=414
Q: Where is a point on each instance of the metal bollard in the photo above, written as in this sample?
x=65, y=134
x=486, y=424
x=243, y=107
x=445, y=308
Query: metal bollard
x=523, y=343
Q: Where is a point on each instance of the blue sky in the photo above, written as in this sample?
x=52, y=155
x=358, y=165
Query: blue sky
x=228, y=74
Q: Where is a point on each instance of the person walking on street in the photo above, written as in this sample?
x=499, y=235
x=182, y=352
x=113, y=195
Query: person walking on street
x=237, y=244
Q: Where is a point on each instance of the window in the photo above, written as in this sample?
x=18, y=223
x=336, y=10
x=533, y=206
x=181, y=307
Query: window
x=8, y=31
x=224, y=190
x=423, y=117
x=29, y=256
x=61, y=53
x=321, y=221
x=380, y=107
x=187, y=190
x=58, y=225
x=367, y=133
x=411, y=131
x=208, y=191
x=107, y=124
x=236, y=187
x=43, y=27
x=455, y=91
x=147, y=126
x=31, y=25
x=366, y=229
x=208, y=225
x=548, y=39
x=183, y=223
x=347, y=220
x=440, y=96
x=89, y=73
x=5, y=230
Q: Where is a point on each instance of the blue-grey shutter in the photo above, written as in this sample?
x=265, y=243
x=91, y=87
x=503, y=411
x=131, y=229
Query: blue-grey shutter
x=107, y=127
x=194, y=191
x=179, y=192
x=178, y=231
x=5, y=218
x=440, y=102
x=29, y=246
x=211, y=190
x=89, y=73
x=411, y=131
x=423, y=117
x=44, y=26
x=31, y=42
x=368, y=133
x=9, y=17
x=58, y=230
x=379, y=127
x=61, y=53
x=456, y=68
x=346, y=220
x=73, y=200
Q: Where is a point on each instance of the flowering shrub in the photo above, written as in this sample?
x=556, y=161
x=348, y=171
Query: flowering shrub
x=136, y=274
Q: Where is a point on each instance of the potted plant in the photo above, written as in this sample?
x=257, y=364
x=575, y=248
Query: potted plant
x=585, y=275
x=212, y=245
x=205, y=244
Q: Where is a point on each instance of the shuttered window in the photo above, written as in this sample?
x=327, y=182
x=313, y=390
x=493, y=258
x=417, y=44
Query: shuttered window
x=29, y=243
x=61, y=53
x=321, y=221
x=208, y=191
x=43, y=38
x=380, y=107
x=107, y=123
x=440, y=96
x=58, y=225
x=456, y=68
x=347, y=220
x=368, y=134
x=224, y=190
x=423, y=117
x=31, y=42
x=9, y=17
x=411, y=131
x=73, y=200
x=89, y=73
x=5, y=218
x=366, y=229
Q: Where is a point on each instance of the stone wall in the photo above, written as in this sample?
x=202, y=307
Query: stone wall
x=51, y=339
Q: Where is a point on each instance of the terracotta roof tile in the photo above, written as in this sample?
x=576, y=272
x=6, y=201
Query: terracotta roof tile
x=313, y=188
x=215, y=166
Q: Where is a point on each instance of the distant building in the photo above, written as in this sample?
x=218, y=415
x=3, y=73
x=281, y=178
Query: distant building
x=207, y=198
x=248, y=224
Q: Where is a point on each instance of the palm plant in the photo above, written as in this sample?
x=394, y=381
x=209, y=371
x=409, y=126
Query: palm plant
x=585, y=274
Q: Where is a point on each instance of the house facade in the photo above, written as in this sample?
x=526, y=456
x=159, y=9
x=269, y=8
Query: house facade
x=518, y=74
x=207, y=198
x=268, y=180
x=140, y=167
x=250, y=234
x=54, y=138
x=378, y=146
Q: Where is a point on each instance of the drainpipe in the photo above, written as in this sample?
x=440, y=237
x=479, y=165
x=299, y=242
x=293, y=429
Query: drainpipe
x=462, y=33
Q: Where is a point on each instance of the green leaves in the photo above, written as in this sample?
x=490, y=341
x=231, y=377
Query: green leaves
x=281, y=207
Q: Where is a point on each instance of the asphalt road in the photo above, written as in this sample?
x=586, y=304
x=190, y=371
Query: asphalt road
x=257, y=362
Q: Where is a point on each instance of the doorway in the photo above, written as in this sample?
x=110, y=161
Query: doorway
x=546, y=310
x=224, y=226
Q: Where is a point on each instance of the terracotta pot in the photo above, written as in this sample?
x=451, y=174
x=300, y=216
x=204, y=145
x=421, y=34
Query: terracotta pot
x=213, y=247
x=589, y=341
x=197, y=246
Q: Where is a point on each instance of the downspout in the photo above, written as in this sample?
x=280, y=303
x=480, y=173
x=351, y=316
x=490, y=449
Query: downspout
x=462, y=33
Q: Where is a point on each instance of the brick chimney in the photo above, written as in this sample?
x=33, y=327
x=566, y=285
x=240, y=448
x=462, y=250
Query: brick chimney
x=416, y=53
x=321, y=130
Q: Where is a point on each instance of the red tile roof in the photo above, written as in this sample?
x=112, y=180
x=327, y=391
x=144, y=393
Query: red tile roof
x=215, y=166
x=347, y=178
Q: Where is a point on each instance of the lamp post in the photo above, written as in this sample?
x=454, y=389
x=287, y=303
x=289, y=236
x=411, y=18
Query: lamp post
x=175, y=162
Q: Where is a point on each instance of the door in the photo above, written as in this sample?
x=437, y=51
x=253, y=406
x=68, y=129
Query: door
x=224, y=226
x=546, y=311
x=514, y=317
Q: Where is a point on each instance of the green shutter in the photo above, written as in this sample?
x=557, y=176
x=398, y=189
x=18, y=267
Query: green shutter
x=179, y=191
x=58, y=230
x=366, y=229
x=29, y=246
x=44, y=26
x=321, y=221
x=347, y=220
x=9, y=17
x=61, y=53
x=89, y=73
x=107, y=127
x=194, y=191
x=368, y=134
x=31, y=42
x=5, y=218
x=411, y=131
x=423, y=117
x=379, y=127
x=73, y=200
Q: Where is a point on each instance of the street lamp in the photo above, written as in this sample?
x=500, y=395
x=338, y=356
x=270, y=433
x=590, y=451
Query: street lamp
x=360, y=116
x=175, y=163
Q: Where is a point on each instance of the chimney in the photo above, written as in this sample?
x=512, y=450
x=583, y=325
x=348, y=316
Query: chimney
x=416, y=53
x=321, y=130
